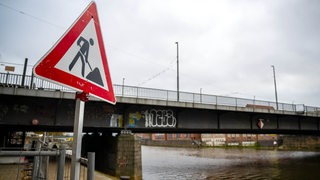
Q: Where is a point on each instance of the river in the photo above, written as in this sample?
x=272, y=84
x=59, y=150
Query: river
x=231, y=163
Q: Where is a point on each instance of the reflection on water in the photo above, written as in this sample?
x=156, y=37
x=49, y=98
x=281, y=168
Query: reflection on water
x=218, y=163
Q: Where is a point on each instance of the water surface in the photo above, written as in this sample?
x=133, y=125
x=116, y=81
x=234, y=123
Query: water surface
x=232, y=163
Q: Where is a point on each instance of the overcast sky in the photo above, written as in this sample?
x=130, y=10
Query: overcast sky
x=225, y=47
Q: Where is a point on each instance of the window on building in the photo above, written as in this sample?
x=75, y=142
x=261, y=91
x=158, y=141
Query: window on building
x=159, y=136
x=178, y=135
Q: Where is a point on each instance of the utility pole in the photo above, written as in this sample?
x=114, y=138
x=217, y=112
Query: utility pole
x=177, y=71
x=275, y=85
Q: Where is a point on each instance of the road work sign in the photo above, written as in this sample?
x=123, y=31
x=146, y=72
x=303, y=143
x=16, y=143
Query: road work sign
x=78, y=60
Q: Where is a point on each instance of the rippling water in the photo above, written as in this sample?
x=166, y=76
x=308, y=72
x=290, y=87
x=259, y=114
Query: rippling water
x=218, y=163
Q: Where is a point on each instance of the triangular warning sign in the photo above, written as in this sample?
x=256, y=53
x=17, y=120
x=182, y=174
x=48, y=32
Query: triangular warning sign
x=78, y=60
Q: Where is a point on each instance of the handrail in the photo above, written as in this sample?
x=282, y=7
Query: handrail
x=31, y=82
x=36, y=164
x=29, y=153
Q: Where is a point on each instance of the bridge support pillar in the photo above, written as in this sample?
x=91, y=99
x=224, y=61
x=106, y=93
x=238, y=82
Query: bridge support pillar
x=118, y=156
x=129, y=157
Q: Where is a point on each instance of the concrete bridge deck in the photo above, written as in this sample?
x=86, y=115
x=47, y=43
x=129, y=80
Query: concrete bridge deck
x=60, y=94
x=148, y=110
x=55, y=109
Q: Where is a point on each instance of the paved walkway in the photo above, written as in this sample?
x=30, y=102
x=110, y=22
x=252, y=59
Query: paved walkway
x=23, y=172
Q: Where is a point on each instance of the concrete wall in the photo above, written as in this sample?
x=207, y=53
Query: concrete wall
x=301, y=142
x=171, y=143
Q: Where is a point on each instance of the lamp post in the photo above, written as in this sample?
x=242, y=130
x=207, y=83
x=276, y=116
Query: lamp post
x=275, y=85
x=123, y=86
x=177, y=71
x=200, y=95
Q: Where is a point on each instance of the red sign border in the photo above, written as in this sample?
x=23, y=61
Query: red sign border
x=45, y=68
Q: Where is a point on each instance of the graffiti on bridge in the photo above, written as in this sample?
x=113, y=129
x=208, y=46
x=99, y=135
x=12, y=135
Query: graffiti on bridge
x=159, y=118
x=116, y=120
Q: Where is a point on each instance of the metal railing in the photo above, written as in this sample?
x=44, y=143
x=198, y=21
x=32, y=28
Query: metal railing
x=31, y=82
x=38, y=167
x=43, y=164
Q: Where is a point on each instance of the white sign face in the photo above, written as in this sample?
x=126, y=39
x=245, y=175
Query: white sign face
x=83, y=58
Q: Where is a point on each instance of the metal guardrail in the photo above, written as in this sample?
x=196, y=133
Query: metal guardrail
x=39, y=167
x=31, y=82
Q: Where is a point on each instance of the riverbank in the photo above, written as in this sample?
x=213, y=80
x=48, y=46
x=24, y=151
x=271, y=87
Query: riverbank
x=170, y=143
x=291, y=143
x=298, y=142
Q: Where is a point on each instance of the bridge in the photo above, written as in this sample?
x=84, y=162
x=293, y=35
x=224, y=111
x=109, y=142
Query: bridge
x=29, y=103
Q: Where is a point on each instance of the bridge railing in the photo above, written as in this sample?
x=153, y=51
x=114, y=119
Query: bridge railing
x=140, y=92
x=16, y=80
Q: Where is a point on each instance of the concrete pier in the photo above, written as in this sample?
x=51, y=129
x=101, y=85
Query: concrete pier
x=129, y=157
x=118, y=156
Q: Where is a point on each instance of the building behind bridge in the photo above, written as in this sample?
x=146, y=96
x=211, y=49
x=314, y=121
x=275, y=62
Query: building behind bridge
x=184, y=139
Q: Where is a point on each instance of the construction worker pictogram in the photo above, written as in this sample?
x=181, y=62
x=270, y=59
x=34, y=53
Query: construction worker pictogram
x=83, y=54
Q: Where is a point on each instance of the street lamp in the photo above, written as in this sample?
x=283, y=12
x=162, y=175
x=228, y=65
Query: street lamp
x=200, y=95
x=123, y=86
x=177, y=71
x=275, y=85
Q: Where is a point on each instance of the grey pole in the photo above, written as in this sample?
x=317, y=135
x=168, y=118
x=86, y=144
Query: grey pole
x=123, y=86
x=91, y=162
x=61, y=164
x=200, y=95
x=36, y=162
x=31, y=82
x=24, y=71
x=77, y=138
x=275, y=85
x=177, y=71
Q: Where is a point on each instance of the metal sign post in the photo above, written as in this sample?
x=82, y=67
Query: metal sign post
x=81, y=98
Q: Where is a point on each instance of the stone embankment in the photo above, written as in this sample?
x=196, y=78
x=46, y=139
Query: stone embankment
x=285, y=142
x=299, y=142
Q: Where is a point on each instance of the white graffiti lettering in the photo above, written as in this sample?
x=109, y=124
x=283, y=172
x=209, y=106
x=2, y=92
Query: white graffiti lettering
x=160, y=118
x=20, y=108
